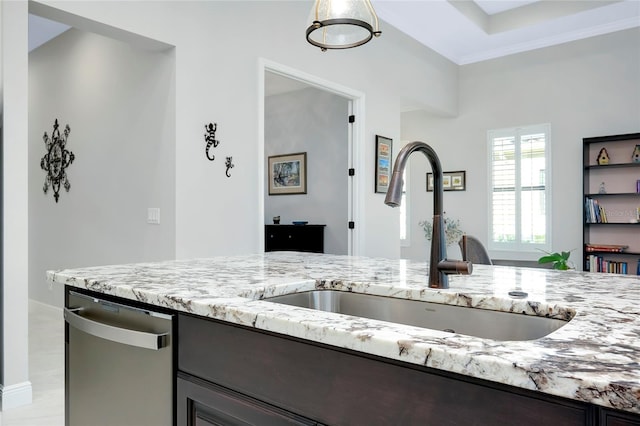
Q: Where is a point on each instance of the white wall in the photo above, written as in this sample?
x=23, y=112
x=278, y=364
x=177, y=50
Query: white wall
x=584, y=88
x=119, y=103
x=16, y=388
x=218, y=46
x=1, y=70
x=217, y=55
x=312, y=121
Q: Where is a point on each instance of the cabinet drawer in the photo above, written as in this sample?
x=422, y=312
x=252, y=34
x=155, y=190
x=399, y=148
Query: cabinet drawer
x=201, y=403
x=618, y=418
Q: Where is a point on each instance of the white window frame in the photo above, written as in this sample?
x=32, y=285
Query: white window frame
x=518, y=248
x=406, y=206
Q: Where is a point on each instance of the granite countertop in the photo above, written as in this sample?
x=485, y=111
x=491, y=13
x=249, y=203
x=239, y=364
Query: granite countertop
x=594, y=358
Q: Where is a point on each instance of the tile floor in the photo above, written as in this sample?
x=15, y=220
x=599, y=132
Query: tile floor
x=46, y=370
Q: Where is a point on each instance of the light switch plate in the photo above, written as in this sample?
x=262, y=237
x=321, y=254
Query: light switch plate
x=153, y=215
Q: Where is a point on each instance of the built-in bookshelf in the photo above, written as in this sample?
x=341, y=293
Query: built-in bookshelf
x=611, y=204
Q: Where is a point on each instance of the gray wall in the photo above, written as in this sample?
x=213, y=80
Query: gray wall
x=119, y=104
x=315, y=122
x=584, y=88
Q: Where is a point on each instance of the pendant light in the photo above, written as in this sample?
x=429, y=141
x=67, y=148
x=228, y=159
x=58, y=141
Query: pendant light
x=342, y=24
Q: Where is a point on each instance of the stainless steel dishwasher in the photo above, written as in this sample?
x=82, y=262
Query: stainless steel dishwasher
x=118, y=362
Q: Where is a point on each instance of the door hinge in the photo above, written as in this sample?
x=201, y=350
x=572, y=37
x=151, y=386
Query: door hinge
x=352, y=172
x=352, y=119
x=352, y=224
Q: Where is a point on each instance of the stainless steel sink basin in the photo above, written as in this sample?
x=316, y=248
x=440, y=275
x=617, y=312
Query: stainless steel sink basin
x=455, y=319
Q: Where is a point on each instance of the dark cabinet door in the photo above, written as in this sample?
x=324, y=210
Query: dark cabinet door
x=201, y=403
x=618, y=418
x=309, y=238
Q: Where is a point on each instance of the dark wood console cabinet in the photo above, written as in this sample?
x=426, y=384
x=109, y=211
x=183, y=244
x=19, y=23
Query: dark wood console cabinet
x=237, y=375
x=309, y=238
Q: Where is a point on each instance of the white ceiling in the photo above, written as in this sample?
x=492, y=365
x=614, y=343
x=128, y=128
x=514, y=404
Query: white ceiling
x=466, y=31
x=42, y=30
x=493, y=6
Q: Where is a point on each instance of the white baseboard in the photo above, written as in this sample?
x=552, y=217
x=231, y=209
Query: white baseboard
x=44, y=305
x=15, y=395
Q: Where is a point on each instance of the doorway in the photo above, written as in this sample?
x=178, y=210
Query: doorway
x=333, y=150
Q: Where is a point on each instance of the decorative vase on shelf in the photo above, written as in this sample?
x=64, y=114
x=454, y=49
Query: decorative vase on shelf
x=602, y=189
x=635, y=157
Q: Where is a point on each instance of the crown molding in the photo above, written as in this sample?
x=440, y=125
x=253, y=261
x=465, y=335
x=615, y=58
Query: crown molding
x=620, y=25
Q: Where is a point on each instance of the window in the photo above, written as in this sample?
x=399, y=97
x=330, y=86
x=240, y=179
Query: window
x=404, y=212
x=520, y=182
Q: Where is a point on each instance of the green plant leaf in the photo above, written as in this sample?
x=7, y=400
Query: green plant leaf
x=554, y=257
x=560, y=260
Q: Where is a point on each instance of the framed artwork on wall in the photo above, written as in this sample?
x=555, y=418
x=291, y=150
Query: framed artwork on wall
x=287, y=174
x=384, y=152
x=451, y=181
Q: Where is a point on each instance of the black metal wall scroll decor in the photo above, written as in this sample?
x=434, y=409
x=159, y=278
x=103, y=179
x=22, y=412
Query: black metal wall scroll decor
x=229, y=165
x=56, y=160
x=210, y=138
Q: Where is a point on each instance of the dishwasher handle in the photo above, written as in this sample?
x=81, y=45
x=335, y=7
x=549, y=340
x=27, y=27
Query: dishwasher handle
x=125, y=336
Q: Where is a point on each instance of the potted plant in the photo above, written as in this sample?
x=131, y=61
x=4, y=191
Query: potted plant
x=452, y=231
x=559, y=261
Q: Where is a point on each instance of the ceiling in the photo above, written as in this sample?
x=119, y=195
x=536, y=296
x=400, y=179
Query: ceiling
x=42, y=30
x=466, y=31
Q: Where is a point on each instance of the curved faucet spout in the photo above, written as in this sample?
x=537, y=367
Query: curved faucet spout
x=394, y=193
x=439, y=266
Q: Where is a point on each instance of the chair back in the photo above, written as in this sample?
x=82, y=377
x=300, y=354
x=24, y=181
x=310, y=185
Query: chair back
x=476, y=252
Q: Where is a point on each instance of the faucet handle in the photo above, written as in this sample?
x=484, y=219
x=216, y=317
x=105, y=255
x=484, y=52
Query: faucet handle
x=464, y=246
x=458, y=267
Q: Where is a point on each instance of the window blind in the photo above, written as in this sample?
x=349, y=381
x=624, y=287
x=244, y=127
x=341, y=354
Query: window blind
x=519, y=188
x=503, y=188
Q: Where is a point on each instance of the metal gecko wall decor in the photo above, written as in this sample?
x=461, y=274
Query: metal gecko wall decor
x=56, y=160
x=210, y=139
x=229, y=165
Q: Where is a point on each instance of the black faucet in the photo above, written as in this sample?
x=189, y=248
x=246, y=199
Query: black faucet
x=439, y=266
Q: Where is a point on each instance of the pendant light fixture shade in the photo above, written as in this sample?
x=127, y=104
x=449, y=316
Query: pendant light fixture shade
x=342, y=24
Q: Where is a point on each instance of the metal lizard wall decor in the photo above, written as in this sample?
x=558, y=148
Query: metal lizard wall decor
x=229, y=165
x=210, y=138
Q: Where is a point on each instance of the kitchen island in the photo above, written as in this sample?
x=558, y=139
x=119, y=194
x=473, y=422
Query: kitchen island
x=594, y=359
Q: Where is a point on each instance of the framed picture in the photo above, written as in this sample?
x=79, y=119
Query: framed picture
x=287, y=174
x=451, y=181
x=384, y=151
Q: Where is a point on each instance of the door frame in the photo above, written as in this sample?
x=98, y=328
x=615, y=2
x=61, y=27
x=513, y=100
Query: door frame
x=356, y=150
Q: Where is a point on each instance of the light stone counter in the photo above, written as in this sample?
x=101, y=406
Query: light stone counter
x=594, y=358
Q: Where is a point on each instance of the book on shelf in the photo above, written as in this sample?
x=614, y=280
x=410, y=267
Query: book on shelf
x=599, y=264
x=612, y=248
x=594, y=212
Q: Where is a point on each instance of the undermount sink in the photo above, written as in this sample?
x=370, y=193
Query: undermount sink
x=455, y=319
